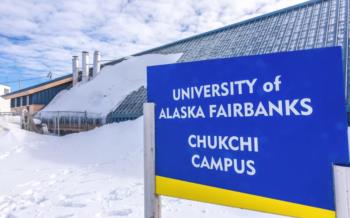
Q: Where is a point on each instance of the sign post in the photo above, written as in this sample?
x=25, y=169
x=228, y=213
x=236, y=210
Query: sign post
x=342, y=189
x=151, y=199
x=257, y=132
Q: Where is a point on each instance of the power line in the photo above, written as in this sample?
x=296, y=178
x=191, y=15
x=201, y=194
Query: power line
x=23, y=80
x=19, y=82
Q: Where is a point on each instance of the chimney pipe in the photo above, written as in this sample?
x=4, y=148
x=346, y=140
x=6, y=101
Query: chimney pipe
x=75, y=69
x=85, y=65
x=97, y=63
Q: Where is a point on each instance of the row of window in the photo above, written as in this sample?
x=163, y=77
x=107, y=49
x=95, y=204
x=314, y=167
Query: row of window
x=42, y=97
x=21, y=101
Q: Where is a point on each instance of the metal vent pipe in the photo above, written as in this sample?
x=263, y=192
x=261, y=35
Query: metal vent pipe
x=97, y=63
x=75, y=69
x=85, y=65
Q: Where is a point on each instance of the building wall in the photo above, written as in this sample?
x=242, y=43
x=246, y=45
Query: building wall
x=36, y=101
x=4, y=104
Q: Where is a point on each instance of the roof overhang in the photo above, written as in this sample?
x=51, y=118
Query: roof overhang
x=37, y=88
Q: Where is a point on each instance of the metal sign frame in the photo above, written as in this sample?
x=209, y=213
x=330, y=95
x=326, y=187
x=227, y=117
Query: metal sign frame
x=233, y=198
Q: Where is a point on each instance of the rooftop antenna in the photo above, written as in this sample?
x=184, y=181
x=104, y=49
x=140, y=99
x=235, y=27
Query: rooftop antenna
x=49, y=75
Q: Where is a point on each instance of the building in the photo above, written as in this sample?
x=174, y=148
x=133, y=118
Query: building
x=4, y=103
x=313, y=24
x=36, y=97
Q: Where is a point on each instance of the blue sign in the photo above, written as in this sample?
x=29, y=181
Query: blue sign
x=257, y=132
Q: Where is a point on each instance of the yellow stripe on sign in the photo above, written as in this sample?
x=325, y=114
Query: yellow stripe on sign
x=192, y=191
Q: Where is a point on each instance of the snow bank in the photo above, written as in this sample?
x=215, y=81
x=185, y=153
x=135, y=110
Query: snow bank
x=12, y=119
x=98, y=173
x=111, y=86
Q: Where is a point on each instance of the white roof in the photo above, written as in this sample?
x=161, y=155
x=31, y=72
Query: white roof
x=5, y=86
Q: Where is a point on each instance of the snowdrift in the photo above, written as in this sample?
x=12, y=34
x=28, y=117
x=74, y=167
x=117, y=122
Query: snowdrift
x=98, y=173
x=103, y=93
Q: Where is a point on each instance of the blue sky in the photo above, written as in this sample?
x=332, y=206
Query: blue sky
x=39, y=36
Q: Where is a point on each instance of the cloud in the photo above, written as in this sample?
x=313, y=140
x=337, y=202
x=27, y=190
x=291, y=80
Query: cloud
x=37, y=36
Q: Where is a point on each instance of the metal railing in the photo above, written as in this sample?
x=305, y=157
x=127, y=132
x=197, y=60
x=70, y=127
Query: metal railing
x=64, y=122
x=11, y=117
x=9, y=114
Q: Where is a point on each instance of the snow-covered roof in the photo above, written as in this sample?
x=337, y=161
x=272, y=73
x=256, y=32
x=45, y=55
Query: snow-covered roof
x=313, y=24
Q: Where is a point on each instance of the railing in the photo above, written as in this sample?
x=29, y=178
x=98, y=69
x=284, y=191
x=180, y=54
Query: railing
x=64, y=122
x=11, y=117
x=9, y=114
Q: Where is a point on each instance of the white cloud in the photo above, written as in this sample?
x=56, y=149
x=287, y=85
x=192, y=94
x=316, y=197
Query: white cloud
x=38, y=36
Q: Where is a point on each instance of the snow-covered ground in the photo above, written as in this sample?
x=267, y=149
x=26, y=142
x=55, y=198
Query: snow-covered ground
x=110, y=87
x=91, y=174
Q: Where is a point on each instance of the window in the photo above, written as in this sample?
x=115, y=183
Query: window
x=24, y=100
x=6, y=91
x=13, y=102
x=18, y=102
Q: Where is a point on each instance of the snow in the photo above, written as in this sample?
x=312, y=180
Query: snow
x=103, y=93
x=98, y=173
x=81, y=175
